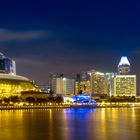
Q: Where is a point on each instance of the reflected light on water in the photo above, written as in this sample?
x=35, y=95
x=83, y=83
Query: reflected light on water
x=70, y=124
x=9, y=120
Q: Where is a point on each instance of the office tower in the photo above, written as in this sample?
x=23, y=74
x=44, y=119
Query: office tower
x=99, y=83
x=78, y=77
x=84, y=76
x=77, y=83
x=54, y=75
x=63, y=85
x=7, y=65
x=82, y=87
x=82, y=83
x=125, y=85
x=13, y=68
x=110, y=82
x=123, y=66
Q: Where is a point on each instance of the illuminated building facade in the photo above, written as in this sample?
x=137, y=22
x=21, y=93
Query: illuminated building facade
x=10, y=83
x=99, y=83
x=52, y=76
x=13, y=85
x=84, y=76
x=63, y=85
x=82, y=83
x=125, y=85
x=122, y=83
x=124, y=66
x=110, y=82
x=82, y=86
x=7, y=65
x=82, y=98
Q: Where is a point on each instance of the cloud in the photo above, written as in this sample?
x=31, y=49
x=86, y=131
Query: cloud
x=8, y=35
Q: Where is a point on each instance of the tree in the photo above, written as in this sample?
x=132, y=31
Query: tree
x=51, y=92
x=59, y=99
x=133, y=98
x=30, y=99
x=80, y=92
x=6, y=100
x=41, y=100
x=14, y=99
x=51, y=99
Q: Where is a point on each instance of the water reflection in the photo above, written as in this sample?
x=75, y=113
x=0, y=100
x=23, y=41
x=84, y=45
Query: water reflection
x=10, y=124
x=70, y=124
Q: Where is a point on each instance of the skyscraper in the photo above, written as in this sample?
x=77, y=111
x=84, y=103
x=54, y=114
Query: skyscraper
x=63, y=85
x=82, y=82
x=99, y=83
x=7, y=65
x=52, y=77
x=123, y=84
x=82, y=87
x=110, y=82
x=124, y=66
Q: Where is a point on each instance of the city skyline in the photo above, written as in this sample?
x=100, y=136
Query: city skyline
x=70, y=70
x=45, y=37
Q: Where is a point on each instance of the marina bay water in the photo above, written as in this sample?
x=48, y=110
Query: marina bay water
x=70, y=124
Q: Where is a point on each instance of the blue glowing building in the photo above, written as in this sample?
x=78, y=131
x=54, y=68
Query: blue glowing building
x=81, y=98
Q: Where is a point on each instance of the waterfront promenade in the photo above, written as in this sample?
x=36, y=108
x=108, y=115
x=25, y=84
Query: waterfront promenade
x=62, y=105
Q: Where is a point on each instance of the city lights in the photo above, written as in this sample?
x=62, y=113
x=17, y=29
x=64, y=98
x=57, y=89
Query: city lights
x=84, y=89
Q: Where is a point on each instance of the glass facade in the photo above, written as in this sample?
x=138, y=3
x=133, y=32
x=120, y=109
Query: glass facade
x=7, y=66
x=124, y=69
x=124, y=66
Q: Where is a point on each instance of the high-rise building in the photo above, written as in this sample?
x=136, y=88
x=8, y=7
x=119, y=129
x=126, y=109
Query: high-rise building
x=123, y=66
x=110, y=82
x=82, y=83
x=82, y=87
x=63, y=85
x=7, y=65
x=54, y=75
x=82, y=76
x=125, y=85
x=99, y=83
x=13, y=68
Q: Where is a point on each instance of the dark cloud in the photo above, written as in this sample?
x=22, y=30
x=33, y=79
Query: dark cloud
x=8, y=35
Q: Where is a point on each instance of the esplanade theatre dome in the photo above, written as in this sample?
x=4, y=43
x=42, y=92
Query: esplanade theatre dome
x=13, y=85
x=10, y=83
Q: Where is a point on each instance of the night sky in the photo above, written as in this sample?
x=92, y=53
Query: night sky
x=70, y=36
